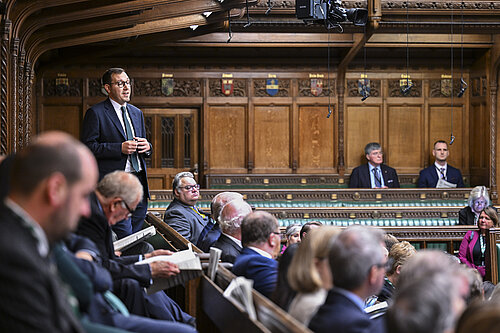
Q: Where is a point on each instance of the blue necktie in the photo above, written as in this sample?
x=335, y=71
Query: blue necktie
x=377, y=178
x=133, y=158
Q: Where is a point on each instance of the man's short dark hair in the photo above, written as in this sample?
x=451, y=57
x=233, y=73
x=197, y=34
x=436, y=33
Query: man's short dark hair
x=440, y=141
x=38, y=161
x=307, y=227
x=256, y=228
x=371, y=147
x=106, y=77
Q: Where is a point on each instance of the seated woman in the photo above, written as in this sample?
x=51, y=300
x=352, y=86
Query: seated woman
x=292, y=234
x=473, y=246
x=309, y=273
x=478, y=199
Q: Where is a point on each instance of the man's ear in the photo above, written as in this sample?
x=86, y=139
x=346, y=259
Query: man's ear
x=433, y=153
x=367, y=157
x=107, y=87
x=176, y=193
x=398, y=269
x=112, y=204
x=56, y=189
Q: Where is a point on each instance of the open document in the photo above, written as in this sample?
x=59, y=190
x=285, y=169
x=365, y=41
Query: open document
x=189, y=265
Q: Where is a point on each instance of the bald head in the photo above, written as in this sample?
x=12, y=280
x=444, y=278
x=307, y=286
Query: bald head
x=220, y=200
x=231, y=216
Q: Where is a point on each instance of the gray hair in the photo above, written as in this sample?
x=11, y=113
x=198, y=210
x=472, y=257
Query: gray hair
x=423, y=306
x=292, y=229
x=177, y=179
x=478, y=192
x=220, y=200
x=427, y=288
x=121, y=184
x=256, y=227
x=353, y=253
x=371, y=147
x=232, y=215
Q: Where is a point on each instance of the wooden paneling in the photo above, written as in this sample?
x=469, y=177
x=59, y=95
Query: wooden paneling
x=62, y=118
x=440, y=129
x=405, y=137
x=227, y=137
x=316, y=139
x=272, y=138
x=362, y=127
x=479, y=144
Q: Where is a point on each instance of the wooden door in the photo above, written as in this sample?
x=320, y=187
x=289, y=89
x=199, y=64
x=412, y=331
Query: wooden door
x=174, y=136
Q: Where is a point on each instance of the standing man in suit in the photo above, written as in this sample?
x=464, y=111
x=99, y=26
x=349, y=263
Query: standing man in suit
x=358, y=265
x=114, y=131
x=430, y=176
x=230, y=221
x=182, y=213
x=260, y=237
x=50, y=183
x=374, y=174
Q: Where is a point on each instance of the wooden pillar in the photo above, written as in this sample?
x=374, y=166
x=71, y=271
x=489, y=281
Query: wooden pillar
x=4, y=89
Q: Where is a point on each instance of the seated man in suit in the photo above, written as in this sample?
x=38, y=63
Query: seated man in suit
x=114, y=199
x=374, y=174
x=430, y=176
x=358, y=265
x=50, y=183
x=92, y=284
x=260, y=236
x=230, y=221
x=182, y=213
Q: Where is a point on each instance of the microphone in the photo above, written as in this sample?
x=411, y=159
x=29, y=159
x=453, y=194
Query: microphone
x=452, y=139
x=407, y=89
x=463, y=87
x=329, y=111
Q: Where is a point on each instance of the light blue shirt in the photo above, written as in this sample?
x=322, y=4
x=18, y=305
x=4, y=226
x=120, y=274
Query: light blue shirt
x=372, y=176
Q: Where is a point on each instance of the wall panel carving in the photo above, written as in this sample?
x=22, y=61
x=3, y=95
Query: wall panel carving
x=74, y=87
x=239, y=88
x=405, y=129
x=363, y=125
x=352, y=88
x=259, y=87
x=395, y=89
x=152, y=87
x=305, y=88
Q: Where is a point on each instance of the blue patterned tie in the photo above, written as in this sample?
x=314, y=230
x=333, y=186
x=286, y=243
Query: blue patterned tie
x=377, y=178
x=130, y=136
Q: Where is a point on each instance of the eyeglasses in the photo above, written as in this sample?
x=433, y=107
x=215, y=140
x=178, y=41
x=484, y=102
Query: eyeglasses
x=277, y=233
x=190, y=187
x=130, y=211
x=121, y=84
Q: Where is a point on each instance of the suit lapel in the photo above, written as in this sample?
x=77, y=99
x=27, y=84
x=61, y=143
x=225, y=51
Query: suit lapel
x=367, y=178
x=111, y=113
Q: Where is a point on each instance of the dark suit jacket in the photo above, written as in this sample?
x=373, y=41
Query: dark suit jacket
x=103, y=133
x=230, y=250
x=263, y=271
x=97, y=229
x=466, y=216
x=32, y=296
x=428, y=177
x=360, y=177
x=343, y=315
x=185, y=220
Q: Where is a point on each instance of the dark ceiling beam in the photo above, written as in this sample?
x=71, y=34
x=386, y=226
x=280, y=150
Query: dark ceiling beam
x=187, y=7
x=140, y=29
